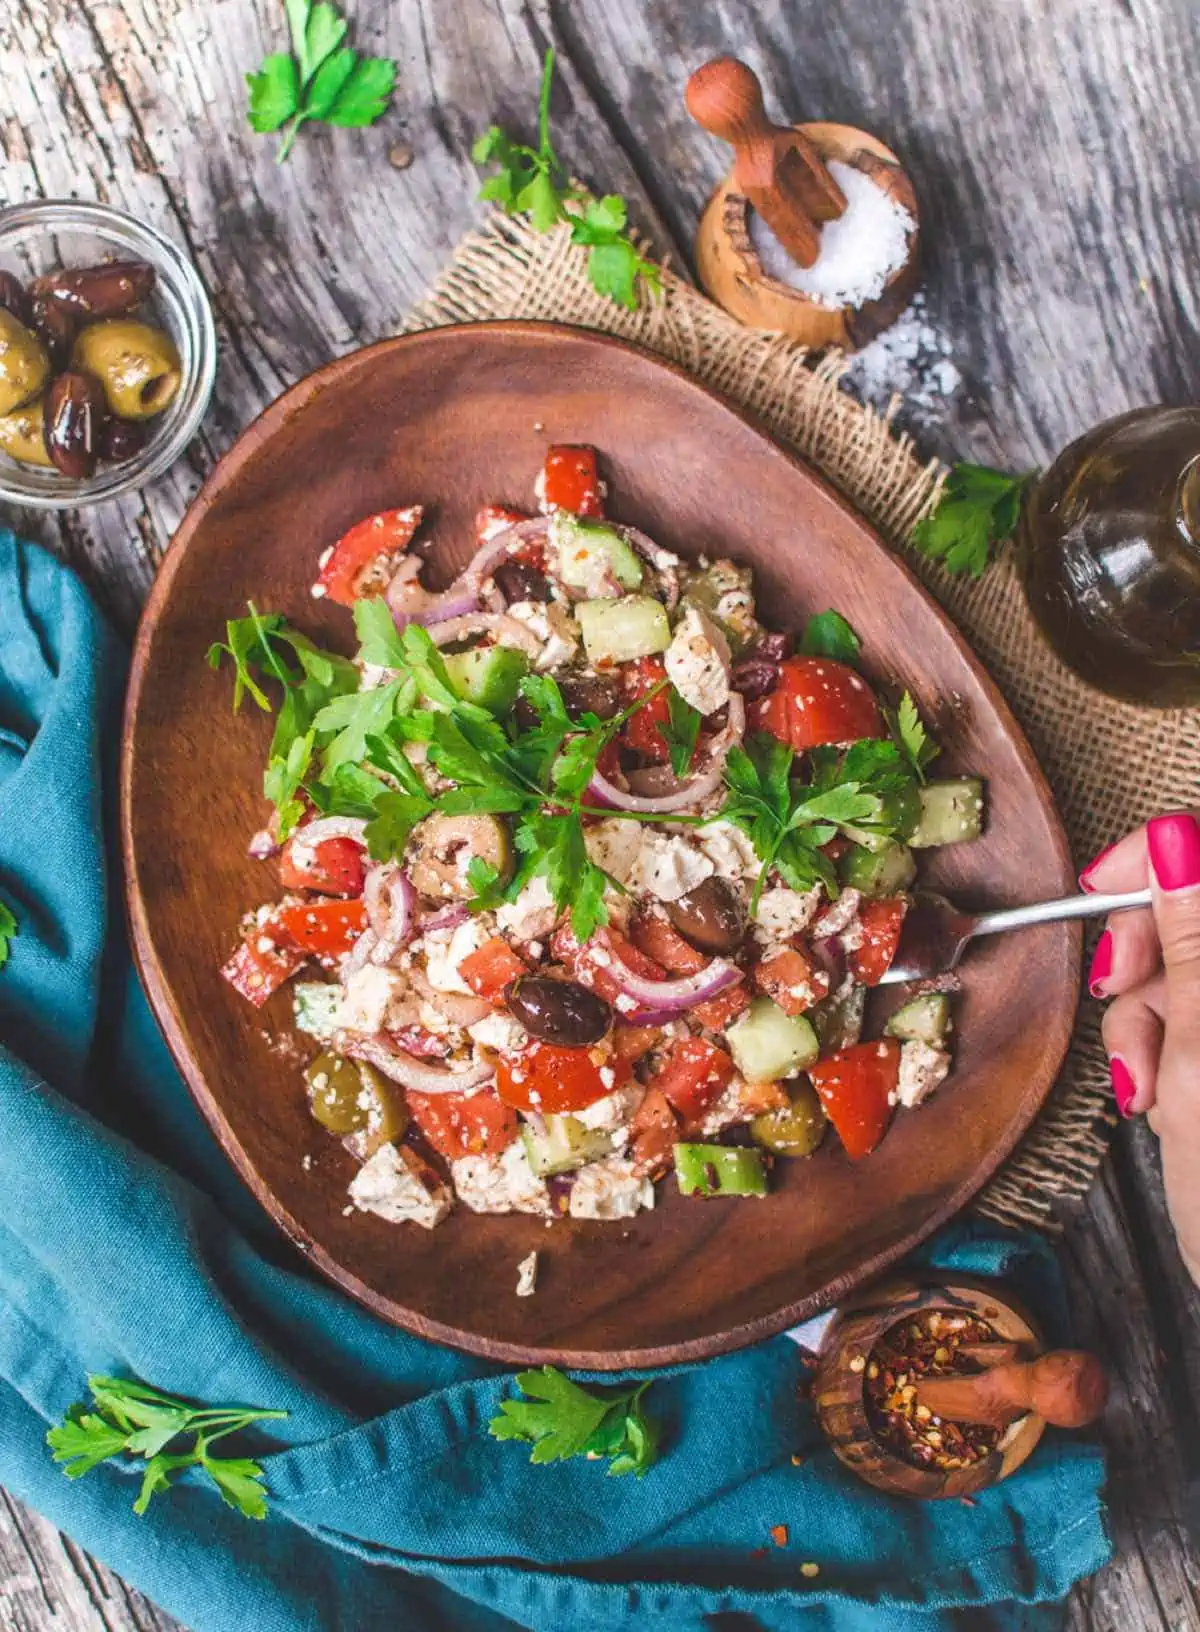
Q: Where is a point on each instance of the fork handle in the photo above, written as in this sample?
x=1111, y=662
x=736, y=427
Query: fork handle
x=1049, y=912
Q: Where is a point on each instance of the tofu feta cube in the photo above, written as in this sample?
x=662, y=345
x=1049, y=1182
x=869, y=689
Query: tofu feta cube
x=668, y=866
x=445, y=950
x=730, y=851
x=609, y=1190
x=499, y=1031
x=554, y=626
x=839, y=917
x=613, y=1111
x=615, y=844
x=398, y=1186
x=783, y=913
x=367, y=995
x=527, y=1276
x=500, y=1184
x=698, y=662
x=922, y=1069
x=532, y=915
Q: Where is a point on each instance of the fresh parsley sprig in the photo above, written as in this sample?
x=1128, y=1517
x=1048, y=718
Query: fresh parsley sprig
x=827, y=634
x=680, y=731
x=321, y=80
x=8, y=928
x=563, y=1419
x=127, y=1418
x=910, y=736
x=977, y=511
x=532, y=181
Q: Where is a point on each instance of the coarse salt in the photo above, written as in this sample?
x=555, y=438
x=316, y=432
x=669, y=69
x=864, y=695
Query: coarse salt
x=859, y=252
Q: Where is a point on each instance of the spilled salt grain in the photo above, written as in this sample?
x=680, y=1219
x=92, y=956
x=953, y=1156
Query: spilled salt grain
x=911, y=360
x=859, y=251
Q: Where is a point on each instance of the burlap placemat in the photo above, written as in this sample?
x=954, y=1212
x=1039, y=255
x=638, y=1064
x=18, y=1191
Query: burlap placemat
x=1110, y=765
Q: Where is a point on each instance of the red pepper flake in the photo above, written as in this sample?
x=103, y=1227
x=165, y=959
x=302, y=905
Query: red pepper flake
x=779, y=1534
x=759, y=1552
x=797, y=1460
x=926, y=1345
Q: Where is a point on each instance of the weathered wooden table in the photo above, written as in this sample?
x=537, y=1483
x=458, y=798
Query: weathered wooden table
x=1051, y=146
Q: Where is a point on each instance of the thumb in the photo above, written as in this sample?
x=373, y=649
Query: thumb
x=1173, y=844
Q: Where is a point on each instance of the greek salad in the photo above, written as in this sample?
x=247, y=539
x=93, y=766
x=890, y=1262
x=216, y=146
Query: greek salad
x=586, y=873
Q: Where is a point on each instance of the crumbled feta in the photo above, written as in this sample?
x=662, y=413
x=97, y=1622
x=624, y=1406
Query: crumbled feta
x=614, y=1110
x=922, y=1069
x=554, y=626
x=783, y=913
x=532, y=915
x=668, y=866
x=367, y=994
x=500, y=1032
x=614, y=844
x=838, y=917
x=372, y=675
x=527, y=1276
x=726, y=1111
x=500, y=1184
x=609, y=1190
x=698, y=662
x=730, y=851
x=445, y=950
x=398, y=1186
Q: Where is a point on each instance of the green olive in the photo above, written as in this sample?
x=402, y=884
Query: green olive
x=22, y=435
x=796, y=1130
x=349, y=1096
x=24, y=363
x=444, y=846
x=138, y=365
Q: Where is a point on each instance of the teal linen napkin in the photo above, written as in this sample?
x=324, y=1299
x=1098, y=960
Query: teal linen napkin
x=127, y=1245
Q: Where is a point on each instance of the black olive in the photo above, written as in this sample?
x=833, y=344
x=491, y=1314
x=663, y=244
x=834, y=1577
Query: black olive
x=55, y=327
x=14, y=298
x=108, y=290
x=518, y=581
x=710, y=917
x=121, y=439
x=74, y=411
x=558, y=1011
x=596, y=694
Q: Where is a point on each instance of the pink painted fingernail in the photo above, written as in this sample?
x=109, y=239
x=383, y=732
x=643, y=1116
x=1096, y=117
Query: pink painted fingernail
x=1101, y=964
x=1085, y=876
x=1174, y=845
x=1124, y=1086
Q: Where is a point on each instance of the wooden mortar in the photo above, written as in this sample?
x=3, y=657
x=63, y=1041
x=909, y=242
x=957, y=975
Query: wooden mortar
x=732, y=273
x=839, y=1387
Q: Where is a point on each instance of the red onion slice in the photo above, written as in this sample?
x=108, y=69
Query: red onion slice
x=391, y=904
x=411, y=602
x=332, y=827
x=508, y=631
x=360, y=953
x=694, y=791
x=445, y=918
x=263, y=844
x=660, y=1000
x=408, y=1071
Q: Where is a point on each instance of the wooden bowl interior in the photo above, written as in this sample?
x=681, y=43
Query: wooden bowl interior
x=453, y=419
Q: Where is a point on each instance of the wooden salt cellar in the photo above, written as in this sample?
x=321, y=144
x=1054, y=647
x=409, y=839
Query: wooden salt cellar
x=781, y=171
x=1025, y=1389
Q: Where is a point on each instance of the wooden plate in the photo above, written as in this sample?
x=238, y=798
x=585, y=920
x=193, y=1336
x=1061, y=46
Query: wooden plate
x=455, y=418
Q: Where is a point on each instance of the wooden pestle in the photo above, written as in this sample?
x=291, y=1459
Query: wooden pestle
x=778, y=169
x=1066, y=1387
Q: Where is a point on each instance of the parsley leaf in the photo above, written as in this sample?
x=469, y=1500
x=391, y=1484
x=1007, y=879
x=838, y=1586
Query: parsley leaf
x=978, y=510
x=562, y=1419
x=910, y=735
x=323, y=80
x=131, y=1419
x=680, y=731
x=532, y=181
x=357, y=716
x=395, y=816
x=8, y=928
x=827, y=634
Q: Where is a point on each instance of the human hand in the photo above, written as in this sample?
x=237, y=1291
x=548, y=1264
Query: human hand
x=1148, y=963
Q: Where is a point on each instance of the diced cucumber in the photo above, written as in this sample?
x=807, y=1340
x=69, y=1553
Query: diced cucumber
x=924, y=1019
x=768, y=1045
x=951, y=811
x=562, y=1143
x=315, y=1003
x=899, y=816
x=487, y=675
x=886, y=871
x=720, y=1170
x=616, y=631
x=590, y=555
x=838, y=1021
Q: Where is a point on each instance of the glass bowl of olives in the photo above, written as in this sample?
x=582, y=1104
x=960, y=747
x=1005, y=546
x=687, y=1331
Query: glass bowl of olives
x=107, y=353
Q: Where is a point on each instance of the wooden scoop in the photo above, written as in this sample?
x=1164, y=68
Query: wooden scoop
x=1066, y=1387
x=777, y=168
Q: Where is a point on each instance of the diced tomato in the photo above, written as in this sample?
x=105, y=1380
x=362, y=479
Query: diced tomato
x=464, y=1124
x=817, y=701
x=591, y=967
x=260, y=966
x=488, y=970
x=715, y=1013
x=855, y=1088
x=323, y=928
x=793, y=979
x=641, y=731
x=756, y=1098
x=363, y=560
x=545, y=1077
x=693, y=1075
x=608, y=761
x=653, y=1135
x=631, y=1042
x=881, y=923
x=492, y=519
x=334, y=867
x=571, y=481
x=653, y=934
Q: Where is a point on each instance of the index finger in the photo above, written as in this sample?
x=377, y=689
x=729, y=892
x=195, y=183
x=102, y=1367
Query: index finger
x=1123, y=866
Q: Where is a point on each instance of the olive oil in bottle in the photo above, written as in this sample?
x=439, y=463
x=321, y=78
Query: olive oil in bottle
x=1109, y=546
